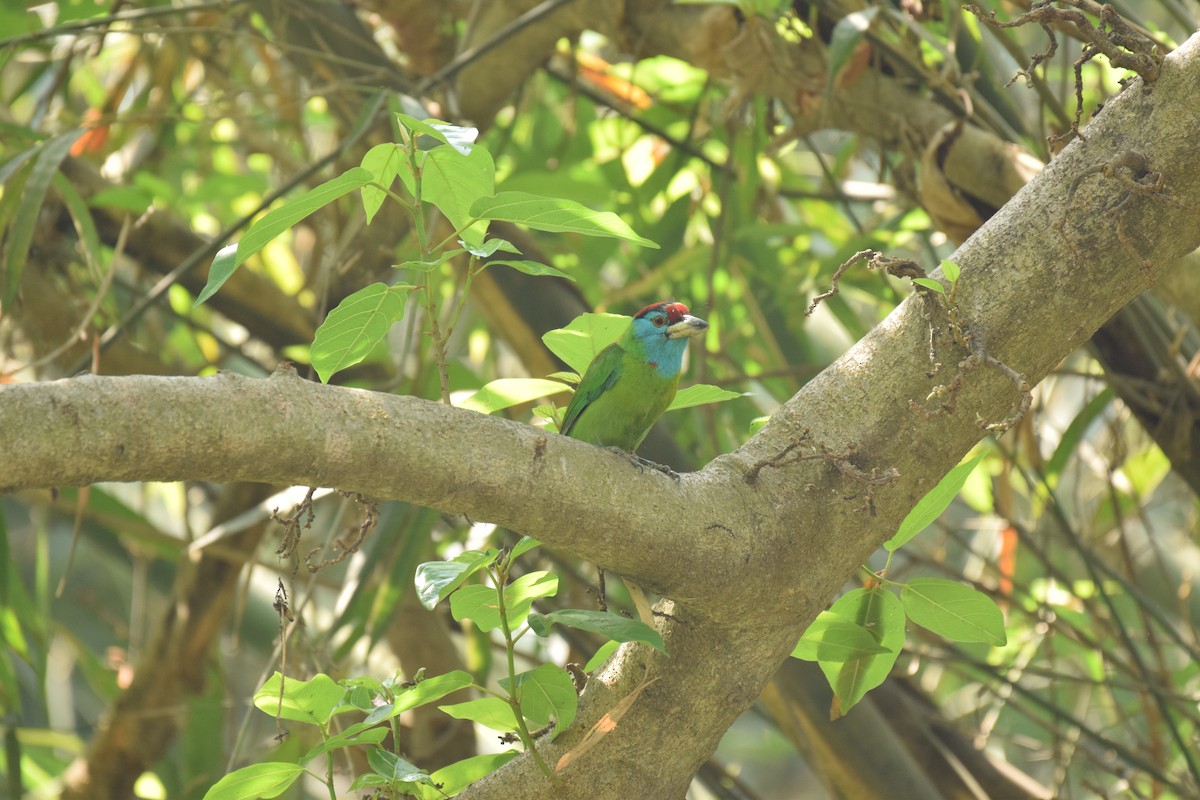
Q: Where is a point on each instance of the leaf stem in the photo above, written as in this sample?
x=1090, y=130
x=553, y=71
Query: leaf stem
x=500, y=578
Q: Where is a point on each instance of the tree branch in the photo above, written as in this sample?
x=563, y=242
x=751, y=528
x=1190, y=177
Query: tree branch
x=1029, y=294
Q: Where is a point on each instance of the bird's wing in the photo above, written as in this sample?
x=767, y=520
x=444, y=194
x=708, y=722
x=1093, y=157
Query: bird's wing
x=601, y=374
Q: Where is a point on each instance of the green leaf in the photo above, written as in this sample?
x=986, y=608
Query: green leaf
x=453, y=183
x=701, y=394
x=355, y=736
x=425, y=692
x=881, y=614
x=555, y=215
x=832, y=638
x=384, y=162
x=614, y=626
x=535, y=268
x=951, y=271
x=584, y=337
x=520, y=594
x=930, y=283
x=602, y=654
x=930, y=507
x=545, y=693
x=275, y=222
x=50, y=155
x=268, y=779
x=435, y=580
x=352, y=330
x=311, y=701
x=957, y=612
x=508, y=392
x=461, y=139
x=81, y=216
x=395, y=769
x=522, y=547
x=422, y=266
x=481, y=605
x=1074, y=433
x=490, y=248
x=452, y=779
x=490, y=712
x=477, y=603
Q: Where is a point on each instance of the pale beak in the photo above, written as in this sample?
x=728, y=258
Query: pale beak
x=688, y=326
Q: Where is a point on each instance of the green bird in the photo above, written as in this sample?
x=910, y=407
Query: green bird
x=629, y=385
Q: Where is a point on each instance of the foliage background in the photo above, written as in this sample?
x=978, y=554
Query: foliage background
x=135, y=139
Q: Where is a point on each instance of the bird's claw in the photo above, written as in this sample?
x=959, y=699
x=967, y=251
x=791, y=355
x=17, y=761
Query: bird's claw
x=644, y=463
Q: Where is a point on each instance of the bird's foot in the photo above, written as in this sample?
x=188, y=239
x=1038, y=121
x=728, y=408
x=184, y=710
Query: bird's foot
x=644, y=463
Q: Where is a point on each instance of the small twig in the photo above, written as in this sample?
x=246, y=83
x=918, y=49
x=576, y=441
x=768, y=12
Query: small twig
x=896, y=267
x=344, y=547
x=1124, y=45
x=946, y=395
x=301, y=518
x=841, y=461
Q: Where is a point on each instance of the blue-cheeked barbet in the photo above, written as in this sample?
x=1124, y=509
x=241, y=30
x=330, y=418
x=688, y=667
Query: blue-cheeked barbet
x=631, y=382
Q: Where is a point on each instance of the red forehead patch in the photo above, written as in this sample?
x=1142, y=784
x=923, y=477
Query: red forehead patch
x=675, y=311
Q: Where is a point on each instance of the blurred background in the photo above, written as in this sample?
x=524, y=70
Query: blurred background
x=760, y=144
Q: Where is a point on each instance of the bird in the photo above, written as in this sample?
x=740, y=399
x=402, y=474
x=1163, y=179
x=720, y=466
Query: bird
x=630, y=383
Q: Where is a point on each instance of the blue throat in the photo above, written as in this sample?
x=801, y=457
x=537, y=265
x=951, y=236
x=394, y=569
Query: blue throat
x=666, y=353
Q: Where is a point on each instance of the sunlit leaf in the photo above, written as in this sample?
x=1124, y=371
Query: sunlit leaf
x=435, y=580
x=312, y=701
x=453, y=183
x=489, y=248
x=556, y=215
x=268, y=779
x=384, y=162
x=450, y=780
x=535, y=268
x=461, y=138
x=957, y=612
x=508, y=392
x=275, y=222
x=701, y=394
x=935, y=501
x=359, y=322
x=490, y=712
x=584, y=337
x=422, y=693
x=481, y=605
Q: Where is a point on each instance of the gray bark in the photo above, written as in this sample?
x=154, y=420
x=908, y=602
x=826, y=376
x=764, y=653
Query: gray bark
x=748, y=549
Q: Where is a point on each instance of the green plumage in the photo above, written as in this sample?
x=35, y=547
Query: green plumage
x=631, y=382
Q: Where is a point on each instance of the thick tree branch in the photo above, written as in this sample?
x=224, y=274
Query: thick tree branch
x=794, y=509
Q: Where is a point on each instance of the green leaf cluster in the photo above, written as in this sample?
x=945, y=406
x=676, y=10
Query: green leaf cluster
x=457, y=177
x=857, y=641
x=316, y=701
x=535, y=698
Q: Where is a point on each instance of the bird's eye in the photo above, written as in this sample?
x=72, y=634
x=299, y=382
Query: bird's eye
x=659, y=321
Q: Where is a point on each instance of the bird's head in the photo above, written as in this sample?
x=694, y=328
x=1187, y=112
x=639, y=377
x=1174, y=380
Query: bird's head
x=659, y=334
x=667, y=321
